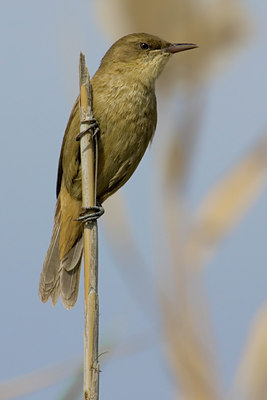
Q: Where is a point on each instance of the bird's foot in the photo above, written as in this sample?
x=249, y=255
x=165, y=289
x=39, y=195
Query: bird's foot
x=93, y=126
x=90, y=214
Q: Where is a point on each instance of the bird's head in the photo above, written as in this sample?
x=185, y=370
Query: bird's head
x=141, y=55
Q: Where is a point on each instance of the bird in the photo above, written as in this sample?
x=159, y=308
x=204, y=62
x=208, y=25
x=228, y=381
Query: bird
x=125, y=108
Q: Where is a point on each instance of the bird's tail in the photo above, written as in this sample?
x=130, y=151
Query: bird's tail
x=61, y=277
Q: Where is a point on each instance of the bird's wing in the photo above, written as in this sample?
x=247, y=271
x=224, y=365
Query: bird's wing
x=69, y=185
x=61, y=269
x=73, y=119
x=70, y=230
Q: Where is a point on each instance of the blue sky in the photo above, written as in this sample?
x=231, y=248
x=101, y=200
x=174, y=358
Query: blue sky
x=40, y=44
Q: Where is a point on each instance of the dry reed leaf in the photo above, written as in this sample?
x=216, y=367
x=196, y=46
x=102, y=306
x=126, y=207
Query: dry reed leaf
x=185, y=317
x=74, y=390
x=251, y=380
x=188, y=351
x=180, y=147
x=118, y=226
x=226, y=203
x=111, y=352
x=38, y=380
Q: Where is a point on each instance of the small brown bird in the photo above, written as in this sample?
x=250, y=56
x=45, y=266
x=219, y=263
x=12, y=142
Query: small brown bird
x=124, y=104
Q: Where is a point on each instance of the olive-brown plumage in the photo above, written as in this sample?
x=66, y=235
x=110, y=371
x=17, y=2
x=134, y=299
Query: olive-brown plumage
x=124, y=104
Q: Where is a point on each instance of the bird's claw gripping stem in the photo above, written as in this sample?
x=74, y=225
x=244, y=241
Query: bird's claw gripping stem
x=90, y=214
x=93, y=126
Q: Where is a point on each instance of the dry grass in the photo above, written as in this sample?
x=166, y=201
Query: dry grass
x=251, y=379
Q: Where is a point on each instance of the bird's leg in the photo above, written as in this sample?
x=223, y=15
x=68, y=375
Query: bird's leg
x=91, y=213
x=93, y=125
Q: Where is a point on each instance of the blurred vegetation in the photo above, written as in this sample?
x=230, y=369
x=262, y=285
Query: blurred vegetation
x=219, y=28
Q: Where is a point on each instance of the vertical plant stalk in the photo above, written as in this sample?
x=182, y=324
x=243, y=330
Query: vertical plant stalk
x=88, y=150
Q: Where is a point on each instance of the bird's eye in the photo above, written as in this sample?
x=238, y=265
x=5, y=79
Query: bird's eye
x=144, y=46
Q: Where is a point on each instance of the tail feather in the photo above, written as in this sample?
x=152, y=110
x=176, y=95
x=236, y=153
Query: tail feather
x=70, y=274
x=61, y=277
x=50, y=274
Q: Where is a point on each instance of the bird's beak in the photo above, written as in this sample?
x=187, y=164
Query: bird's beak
x=176, y=47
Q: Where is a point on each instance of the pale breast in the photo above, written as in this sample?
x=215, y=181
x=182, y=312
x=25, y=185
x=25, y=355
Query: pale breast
x=127, y=117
